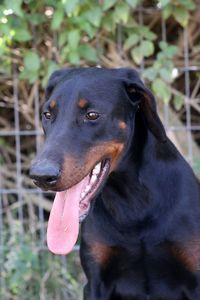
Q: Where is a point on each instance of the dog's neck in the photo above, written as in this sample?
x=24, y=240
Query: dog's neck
x=130, y=186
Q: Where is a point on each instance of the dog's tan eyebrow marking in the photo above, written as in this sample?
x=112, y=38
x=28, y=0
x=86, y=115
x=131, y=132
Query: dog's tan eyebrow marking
x=122, y=125
x=83, y=103
x=52, y=104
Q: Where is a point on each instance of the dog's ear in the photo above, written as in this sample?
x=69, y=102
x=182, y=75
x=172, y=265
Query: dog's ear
x=139, y=94
x=53, y=81
x=59, y=76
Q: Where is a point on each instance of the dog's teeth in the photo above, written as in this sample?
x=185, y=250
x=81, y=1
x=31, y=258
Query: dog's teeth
x=97, y=169
x=88, y=187
x=93, y=178
x=83, y=195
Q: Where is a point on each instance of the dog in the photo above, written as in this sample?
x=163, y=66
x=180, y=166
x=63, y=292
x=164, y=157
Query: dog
x=108, y=159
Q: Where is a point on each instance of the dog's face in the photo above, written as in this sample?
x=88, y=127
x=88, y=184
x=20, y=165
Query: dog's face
x=88, y=120
x=86, y=124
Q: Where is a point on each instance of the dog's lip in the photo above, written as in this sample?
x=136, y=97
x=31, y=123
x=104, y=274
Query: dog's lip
x=62, y=188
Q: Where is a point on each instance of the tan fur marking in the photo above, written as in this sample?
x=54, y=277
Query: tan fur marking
x=52, y=104
x=188, y=254
x=122, y=125
x=82, y=103
x=74, y=169
x=102, y=253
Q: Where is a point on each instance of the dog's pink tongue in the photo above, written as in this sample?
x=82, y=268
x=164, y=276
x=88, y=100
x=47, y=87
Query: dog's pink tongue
x=63, y=225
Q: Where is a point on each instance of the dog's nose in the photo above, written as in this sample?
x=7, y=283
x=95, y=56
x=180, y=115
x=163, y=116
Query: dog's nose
x=45, y=174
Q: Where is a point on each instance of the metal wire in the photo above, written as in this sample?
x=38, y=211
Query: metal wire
x=18, y=147
x=19, y=191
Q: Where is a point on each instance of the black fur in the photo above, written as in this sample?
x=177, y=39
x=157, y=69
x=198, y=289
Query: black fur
x=141, y=239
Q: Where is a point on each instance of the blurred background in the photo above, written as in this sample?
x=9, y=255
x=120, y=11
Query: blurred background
x=159, y=38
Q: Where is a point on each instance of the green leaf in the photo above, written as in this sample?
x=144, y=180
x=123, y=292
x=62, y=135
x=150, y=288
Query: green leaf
x=108, y=4
x=167, y=11
x=31, y=76
x=181, y=15
x=73, y=39
x=51, y=67
x=150, y=73
x=70, y=6
x=109, y=22
x=161, y=90
x=178, y=101
x=62, y=38
x=149, y=35
x=137, y=55
x=89, y=29
x=121, y=13
x=166, y=74
x=132, y=3
x=146, y=33
x=189, y=4
x=131, y=41
x=171, y=51
x=94, y=16
x=57, y=18
x=74, y=57
x=157, y=65
x=163, y=3
x=88, y=52
x=15, y=5
x=36, y=19
x=22, y=35
x=32, y=61
x=163, y=45
x=147, y=48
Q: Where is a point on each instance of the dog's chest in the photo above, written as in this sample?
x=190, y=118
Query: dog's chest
x=145, y=271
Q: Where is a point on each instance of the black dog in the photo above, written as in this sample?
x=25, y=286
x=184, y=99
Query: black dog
x=108, y=157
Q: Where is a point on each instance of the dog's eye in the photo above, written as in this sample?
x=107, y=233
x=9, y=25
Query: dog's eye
x=47, y=115
x=92, y=115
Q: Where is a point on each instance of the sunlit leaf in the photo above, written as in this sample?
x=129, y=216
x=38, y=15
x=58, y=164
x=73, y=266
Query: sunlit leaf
x=150, y=73
x=15, y=5
x=108, y=4
x=74, y=58
x=57, y=18
x=163, y=3
x=32, y=61
x=133, y=3
x=166, y=74
x=132, y=40
x=181, y=15
x=167, y=11
x=70, y=6
x=73, y=38
x=161, y=90
x=88, y=52
x=178, y=101
x=94, y=16
x=22, y=35
x=146, y=48
x=137, y=55
x=121, y=13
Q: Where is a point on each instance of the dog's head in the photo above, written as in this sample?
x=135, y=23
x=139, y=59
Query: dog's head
x=88, y=120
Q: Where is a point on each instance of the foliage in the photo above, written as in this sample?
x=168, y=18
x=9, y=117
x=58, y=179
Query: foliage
x=38, y=37
x=179, y=9
x=80, y=30
x=29, y=271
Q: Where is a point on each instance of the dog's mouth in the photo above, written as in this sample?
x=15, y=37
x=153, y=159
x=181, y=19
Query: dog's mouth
x=95, y=181
x=71, y=207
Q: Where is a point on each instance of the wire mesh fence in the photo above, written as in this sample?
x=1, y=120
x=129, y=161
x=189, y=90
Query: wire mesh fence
x=24, y=208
